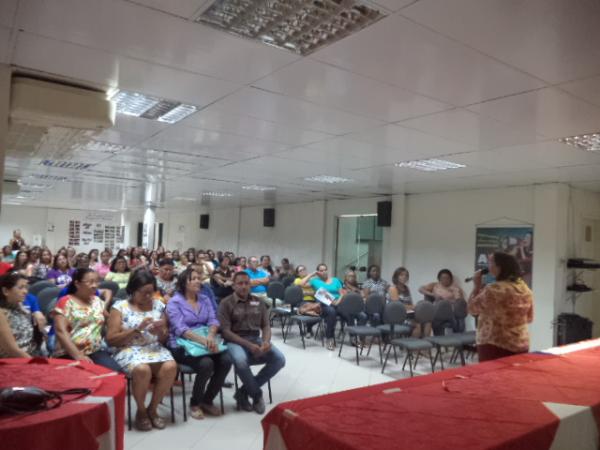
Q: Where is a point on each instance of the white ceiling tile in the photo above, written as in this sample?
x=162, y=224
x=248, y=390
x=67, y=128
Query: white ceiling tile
x=135, y=31
x=333, y=87
x=467, y=127
x=7, y=12
x=411, y=144
x=393, y=5
x=213, y=119
x=555, y=40
x=129, y=130
x=293, y=112
x=593, y=186
x=550, y=112
x=588, y=89
x=181, y=8
x=402, y=53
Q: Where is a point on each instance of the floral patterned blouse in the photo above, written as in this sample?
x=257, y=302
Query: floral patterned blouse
x=21, y=325
x=504, y=309
x=85, y=323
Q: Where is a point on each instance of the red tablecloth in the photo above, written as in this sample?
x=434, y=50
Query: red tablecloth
x=79, y=423
x=502, y=404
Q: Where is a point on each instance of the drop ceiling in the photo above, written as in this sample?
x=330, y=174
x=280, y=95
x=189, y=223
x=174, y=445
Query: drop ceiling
x=488, y=84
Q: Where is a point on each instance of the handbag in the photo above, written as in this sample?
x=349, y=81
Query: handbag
x=193, y=348
x=310, y=309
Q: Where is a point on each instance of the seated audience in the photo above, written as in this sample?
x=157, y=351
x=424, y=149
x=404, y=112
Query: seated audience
x=265, y=264
x=16, y=323
x=33, y=260
x=134, y=258
x=259, y=278
x=137, y=327
x=61, y=272
x=245, y=325
x=222, y=279
x=240, y=263
x=102, y=267
x=17, y=241
x=400, y=292
x=309, y=306
x=78, y=322
x=350, y=284
x=504, y=308
x=166, y=279
x=44, y=265
x=374, y=283
x=71, y=256
x=93, y=257
x=321, y=280
x=119, y=272
x=445, y=289
x=285, y=270
x=183, y=263
x=21, y=264
x=187, y=310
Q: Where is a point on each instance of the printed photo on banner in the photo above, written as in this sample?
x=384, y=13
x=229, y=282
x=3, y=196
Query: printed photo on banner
x=516, y=241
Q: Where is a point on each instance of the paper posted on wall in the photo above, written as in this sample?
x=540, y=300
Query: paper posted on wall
x=324, y=297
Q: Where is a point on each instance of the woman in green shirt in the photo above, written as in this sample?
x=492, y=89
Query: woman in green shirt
x=119, y=272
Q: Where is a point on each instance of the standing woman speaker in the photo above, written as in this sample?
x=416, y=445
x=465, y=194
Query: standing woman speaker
x=504, y=308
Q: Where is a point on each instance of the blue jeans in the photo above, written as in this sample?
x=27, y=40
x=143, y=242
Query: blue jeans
x=273, y=362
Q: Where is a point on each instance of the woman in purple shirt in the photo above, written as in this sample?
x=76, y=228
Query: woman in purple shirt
x=186, y=310
x=61, y=273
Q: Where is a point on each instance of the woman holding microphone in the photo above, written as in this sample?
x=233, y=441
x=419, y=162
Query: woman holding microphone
x=504, y=308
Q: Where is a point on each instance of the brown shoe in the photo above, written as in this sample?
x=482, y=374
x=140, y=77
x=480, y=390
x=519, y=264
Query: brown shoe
x=210, y=410
x=142, y=422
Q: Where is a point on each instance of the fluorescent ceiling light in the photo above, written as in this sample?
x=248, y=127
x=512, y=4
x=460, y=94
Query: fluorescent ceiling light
x=328, y=179
x=105, y=147
x=589, y=142
x=72, y=165
x=43, y=176
x=256, y=187
x=301, y=26
x=185, y=199
x=430, y=165
x=148, y=107
x=216, y=194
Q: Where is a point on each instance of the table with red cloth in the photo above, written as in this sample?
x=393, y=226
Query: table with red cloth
x=94, y=421
x=529, y=401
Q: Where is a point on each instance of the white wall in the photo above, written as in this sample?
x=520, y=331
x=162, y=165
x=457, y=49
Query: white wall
x=31, y=222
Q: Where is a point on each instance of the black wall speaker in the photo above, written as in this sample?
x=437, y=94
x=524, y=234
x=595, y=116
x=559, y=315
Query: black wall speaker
x=384, y=214
x=269, y=217
x=204, y=220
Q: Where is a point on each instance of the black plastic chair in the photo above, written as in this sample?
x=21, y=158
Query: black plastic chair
x=235, y=379
x=129, y=384
x=37, y=287
x=444, y=314
x=350, y=306
x=121, y=294
x=110, y=285
x=424, y=313
x=394, y=317
x=275, y=291
x=293, y=297
x=187, y=370
x=47, y=298
x=288, y=281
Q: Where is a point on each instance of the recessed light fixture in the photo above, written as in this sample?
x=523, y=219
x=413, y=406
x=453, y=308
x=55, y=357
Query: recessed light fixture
x=256, y=187
x=301, y=26
x=589, y=142
x=148, y=107
x=43, y=176
x=34, y=186
x=328, y=179
x=185, y=199
x=216, y=194
x=104, y=147
x=430, y=165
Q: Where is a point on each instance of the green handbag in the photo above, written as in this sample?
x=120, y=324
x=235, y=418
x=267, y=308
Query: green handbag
x=193, y=348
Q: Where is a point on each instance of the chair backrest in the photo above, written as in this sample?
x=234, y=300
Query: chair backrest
x=47, y=297
x=37, y=287
x=394, y=313
x=429, y=298
x=460, y=308
x=293, y=295
x=276, y=290
x=288, y=281
x=114, y=287
x=375, y=304
x=443, y=311
x=351, y=304
x=424, y=312
x=121, y=294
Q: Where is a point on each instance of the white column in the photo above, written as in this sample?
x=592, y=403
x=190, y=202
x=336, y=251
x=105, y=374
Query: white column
x=5, y=74
x=149, y=235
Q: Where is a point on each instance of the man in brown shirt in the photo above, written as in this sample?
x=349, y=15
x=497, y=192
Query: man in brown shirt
x=243, y=319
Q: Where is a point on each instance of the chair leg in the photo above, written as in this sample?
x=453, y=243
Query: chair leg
x=270, y=393
x=417, y=359
x=129, y=403
x=172, y=406
x=356, y=347
x=183, y=397
x=431, y=361
x=283, y=321
x=302, y=334
x=405, y=360
x=441, y=356
x=380, y=351
x=342, y=343
x=235, y=380
x=462, y=356
x=221, y=400
x=395, y=355
x=387, y=355
x=287, y=329
x=409, y=363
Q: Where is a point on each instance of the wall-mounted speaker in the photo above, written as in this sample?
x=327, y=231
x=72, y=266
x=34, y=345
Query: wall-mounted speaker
x=269, y=217
x=384, y=214
x=204, y=220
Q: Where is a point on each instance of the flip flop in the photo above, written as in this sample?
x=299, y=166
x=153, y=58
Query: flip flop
x=196, y=413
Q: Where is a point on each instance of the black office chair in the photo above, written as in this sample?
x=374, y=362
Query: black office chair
x=187, y=370
x=47, y=298
x=350, y=306
x=38, y=286
x=110, y=285
x=293, y=297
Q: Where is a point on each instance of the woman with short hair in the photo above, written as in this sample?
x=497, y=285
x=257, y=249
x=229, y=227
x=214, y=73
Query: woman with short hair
x=445, y=289
x=119, y=272
x=504, y=308
x=137, y=327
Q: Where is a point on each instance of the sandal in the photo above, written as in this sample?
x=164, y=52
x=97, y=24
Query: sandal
x=196, y=413
x=142, y=423
x=331, y=345
x=157, y=421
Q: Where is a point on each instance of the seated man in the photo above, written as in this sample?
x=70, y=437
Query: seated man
x=243, y=318
x=259, y=278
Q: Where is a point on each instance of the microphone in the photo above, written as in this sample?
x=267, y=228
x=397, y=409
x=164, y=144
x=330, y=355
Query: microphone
x=483, y=271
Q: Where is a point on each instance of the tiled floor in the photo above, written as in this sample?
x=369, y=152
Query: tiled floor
x=307, y=373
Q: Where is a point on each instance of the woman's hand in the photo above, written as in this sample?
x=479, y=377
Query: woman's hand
x=211, y=344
